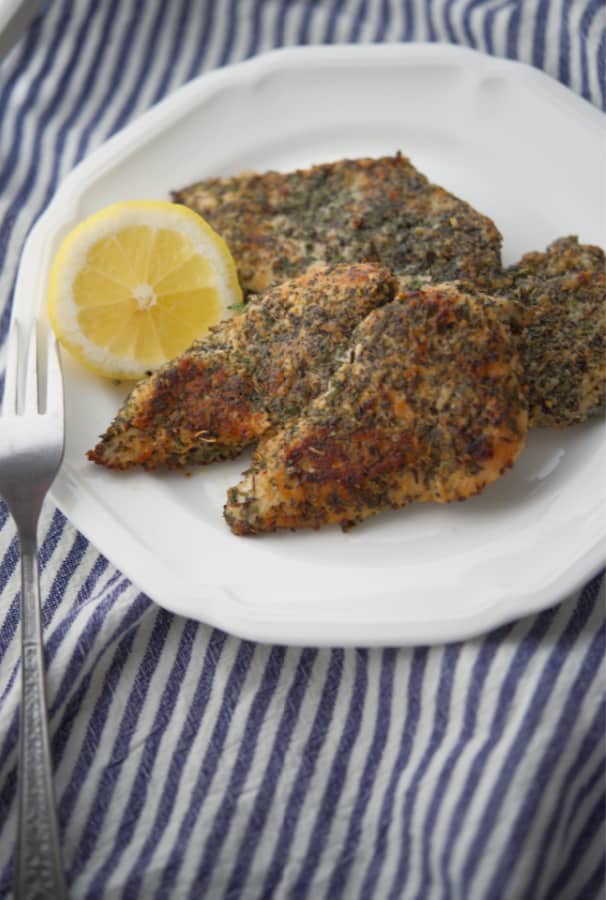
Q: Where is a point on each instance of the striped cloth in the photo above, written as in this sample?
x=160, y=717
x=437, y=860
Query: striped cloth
x=191, y=764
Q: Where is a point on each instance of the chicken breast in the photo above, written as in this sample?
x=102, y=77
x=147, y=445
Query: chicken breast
x=382, y=210
x=562, y=335
x=428, y=407
x=251, y=372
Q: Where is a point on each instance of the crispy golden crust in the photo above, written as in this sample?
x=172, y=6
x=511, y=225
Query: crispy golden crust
x=562, y=337
x=381, y=210
x=251, y=372
x=428, y=407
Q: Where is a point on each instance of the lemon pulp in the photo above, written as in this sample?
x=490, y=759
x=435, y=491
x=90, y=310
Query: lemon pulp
x=135, y=284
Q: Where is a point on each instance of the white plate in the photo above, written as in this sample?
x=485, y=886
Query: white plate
x=514, y=143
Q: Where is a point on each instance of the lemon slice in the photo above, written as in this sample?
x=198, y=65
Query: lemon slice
x=133, y=285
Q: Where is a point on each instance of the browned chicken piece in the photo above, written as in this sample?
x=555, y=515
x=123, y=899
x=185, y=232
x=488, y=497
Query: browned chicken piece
x=429, y=407
x=249, y=373
x=382, y=210
x=562, y=339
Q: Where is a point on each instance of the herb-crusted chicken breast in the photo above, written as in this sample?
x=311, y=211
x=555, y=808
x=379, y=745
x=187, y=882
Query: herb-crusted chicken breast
x=428, y=407
x=562, y=339
x=249, y=373
x=382, y=210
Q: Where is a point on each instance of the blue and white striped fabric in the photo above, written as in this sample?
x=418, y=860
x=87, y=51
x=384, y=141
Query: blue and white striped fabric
x=191, y=764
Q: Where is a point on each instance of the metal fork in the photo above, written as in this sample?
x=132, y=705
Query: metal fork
x=31, y=449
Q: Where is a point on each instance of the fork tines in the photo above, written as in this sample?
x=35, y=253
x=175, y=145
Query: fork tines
x=9, y=401
x=23, y=397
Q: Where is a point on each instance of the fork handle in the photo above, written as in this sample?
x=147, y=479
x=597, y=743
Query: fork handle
x=39, y=870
